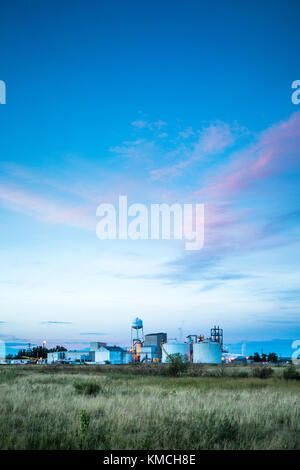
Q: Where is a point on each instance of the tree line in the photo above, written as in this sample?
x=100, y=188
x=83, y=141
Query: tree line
x=271, y=357
x=36, y=352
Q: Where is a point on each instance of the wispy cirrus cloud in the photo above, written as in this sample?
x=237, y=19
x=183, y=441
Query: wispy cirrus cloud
x=139, y=149
x=46, y=209
x=211, y=140
x=230, y=229
x=276, y=152
x=142, y=124
x=227, y=227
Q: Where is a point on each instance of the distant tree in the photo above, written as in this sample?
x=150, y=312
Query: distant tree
x=57, y=349
x=256, y=357
x=264, y=357
x=37, y=352
x=272, y=357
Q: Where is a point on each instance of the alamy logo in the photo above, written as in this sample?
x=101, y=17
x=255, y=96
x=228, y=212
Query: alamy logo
x=296, y=354
x=162, y=221
x=2, y=92
x=296, y=94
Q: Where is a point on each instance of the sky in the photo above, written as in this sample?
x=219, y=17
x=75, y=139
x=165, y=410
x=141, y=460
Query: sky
x=165, y=102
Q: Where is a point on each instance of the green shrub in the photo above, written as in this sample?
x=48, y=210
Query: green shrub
x=84, y=423
x=176, y=365
x=87, y=387
x=263, y=372
x=291, y=373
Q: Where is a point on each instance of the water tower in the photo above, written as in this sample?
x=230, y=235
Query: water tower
x=137, y=339
x=137, y=331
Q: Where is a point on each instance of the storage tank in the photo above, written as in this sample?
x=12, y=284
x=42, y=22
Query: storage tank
x=174, y=348
x=137, y=323
x=207, y=352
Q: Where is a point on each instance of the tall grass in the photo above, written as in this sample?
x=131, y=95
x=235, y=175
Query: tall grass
x=39, y=411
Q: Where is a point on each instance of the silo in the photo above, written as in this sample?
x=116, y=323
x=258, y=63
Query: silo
x=207, y=352
x=174, y=348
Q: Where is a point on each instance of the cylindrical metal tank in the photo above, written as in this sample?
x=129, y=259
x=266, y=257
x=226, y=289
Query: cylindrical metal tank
x=174, y=348
x=207, y=352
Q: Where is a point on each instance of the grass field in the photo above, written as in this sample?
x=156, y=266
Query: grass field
x=93, y=407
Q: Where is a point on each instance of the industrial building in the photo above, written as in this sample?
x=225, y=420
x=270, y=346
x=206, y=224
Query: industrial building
x=153, y=343
x=55, y=357
x=94, y=346
x=112, y=355
x=78, y=356
x=149, y=348
x=70, y=356
x=237, y=359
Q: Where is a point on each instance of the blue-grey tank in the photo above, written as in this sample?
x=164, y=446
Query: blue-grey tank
x=207, y=352
x=174, y=348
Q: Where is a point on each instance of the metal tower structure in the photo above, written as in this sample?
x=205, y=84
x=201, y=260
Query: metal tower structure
x=216, y=334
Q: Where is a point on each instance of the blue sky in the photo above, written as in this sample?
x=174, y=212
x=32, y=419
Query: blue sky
x=164, y=101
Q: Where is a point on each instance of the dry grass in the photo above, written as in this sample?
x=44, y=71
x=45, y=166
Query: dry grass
x=40, y=409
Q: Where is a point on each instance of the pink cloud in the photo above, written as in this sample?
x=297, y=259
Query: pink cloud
x=44, y=209
x=276, y=151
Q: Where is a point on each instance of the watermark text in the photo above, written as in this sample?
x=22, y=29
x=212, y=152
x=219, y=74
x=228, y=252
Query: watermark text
x=2, y=92
x=159, y=222
x=296, y=94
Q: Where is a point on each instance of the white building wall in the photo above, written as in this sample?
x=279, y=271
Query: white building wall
x=101, y=356
x=114, y=357
x=77, y=355
x=54, y=357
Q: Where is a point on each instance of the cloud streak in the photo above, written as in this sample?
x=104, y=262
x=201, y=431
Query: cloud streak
x=45, y=209
x=212, y=140
x=276, y=152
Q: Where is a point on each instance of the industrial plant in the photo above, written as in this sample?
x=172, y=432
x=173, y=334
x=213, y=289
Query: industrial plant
x=149, y=348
